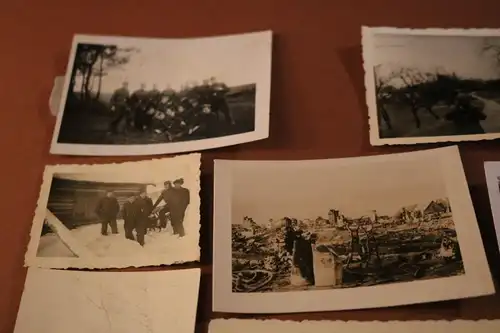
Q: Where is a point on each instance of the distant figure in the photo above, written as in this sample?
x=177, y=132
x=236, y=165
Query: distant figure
x=466, y=116
x=119, y=104
x=179, y=201
x=155, y=94
x=107, y=210
x=167, y=186
x=143, y=207
x=129, y=216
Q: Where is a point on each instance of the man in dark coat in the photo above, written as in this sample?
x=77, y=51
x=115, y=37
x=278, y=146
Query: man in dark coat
x=139, y=102
x=129, y=216
x=179, y=198
x=164, y=210
x=143, y=207
x=119, y=105
x=107, y=210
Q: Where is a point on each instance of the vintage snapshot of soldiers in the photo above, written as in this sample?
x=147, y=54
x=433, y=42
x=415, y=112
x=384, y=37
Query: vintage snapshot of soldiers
x=193, y=112
x=141, y=215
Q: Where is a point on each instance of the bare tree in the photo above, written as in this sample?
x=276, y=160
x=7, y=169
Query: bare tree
x=381, y=83
x=417, y=88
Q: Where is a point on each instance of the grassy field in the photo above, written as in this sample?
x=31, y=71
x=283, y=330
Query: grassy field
x=89, y=123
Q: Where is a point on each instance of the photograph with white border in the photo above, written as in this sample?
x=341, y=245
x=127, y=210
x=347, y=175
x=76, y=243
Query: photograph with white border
x=151, y=96
x=125, y=302
x=326, y=326
x=341, y=234
x=431, y=85
x=129, y=214
x=492, y=173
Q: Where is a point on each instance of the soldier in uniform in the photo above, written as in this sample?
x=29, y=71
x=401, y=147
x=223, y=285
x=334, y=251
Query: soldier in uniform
x=107, y=210
x=155, y=95
x=179, y=199
x=164, y=210
x=206, y=122
x=129, y=216
x=143, y=207
x=218, y=100
x=119, y=106
x=139, y=102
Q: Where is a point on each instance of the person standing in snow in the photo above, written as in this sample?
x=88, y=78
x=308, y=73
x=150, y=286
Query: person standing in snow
x=107, y=210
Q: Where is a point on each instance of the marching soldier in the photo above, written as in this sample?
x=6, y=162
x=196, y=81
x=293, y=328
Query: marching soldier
x=107, y=210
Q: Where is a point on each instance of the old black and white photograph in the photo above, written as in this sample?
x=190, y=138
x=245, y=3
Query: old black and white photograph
x=107, y=215
x=432, y=85
x=141, y=96
x=319, y=225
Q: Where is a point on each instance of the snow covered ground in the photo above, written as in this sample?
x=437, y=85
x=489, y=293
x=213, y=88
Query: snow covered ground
x=109, y=246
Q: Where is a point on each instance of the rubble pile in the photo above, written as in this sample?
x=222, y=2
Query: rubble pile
x=258, y=264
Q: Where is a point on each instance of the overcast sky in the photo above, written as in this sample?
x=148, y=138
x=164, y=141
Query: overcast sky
x=233, y=60
x=265, y=191
x=462, y=55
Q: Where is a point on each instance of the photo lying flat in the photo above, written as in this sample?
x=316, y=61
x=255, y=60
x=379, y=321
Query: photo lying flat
x=57, y=301
x=429, y=326
x=323, y=235
x=432, y=85
x=492, y=171
x=146, y=96
x=117, y=215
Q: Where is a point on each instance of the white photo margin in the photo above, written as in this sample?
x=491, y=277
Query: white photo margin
x=262, y=102
x=188, y=249
x=476, y=281
x=368, y=35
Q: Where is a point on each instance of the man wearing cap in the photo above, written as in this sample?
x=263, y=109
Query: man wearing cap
x=129, y=216
x=107, y=210
x=118, y=103
x=164, y=210
x=139, y=102
x=143, y=207
x=179, y=199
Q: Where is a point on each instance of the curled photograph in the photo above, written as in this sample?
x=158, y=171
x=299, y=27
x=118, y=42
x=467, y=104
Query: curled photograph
x=147, y=96
x=339, y=234
x=117, y=215
x=432, y=85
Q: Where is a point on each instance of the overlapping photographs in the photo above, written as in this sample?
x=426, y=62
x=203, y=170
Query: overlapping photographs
x=432, y=85
x=323, y=235
x=117, y=215
x=81, y=302
x=145, y=96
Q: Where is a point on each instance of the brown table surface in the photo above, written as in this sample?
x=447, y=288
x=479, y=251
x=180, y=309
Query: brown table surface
x=317, y=110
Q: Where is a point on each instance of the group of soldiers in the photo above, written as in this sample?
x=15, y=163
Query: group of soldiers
x=194, y=111
x=139, y=213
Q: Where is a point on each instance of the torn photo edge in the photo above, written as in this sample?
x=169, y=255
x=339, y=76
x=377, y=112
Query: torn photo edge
x=141, y=290
x=186, y=165
x=326, y=326
x=476, y=281
x=367, y=39
x=262, y=104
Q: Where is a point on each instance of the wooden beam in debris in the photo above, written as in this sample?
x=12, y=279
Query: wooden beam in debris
x=66, y=237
